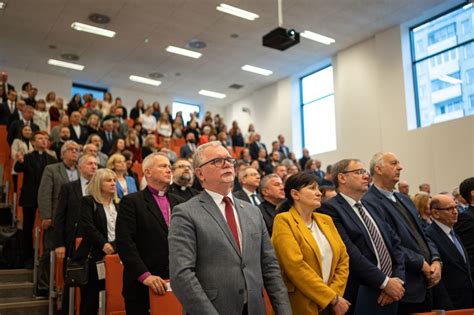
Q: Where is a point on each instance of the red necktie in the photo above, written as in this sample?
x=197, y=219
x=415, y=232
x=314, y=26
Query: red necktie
x=229, y=216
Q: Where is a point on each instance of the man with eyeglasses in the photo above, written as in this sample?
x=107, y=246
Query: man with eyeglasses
x=183, y=179
x=422, y=261
x=376, y=268
x=457, y=279
x=249, y=179
x=54, y=176
x=141, y=231
x=221, y=257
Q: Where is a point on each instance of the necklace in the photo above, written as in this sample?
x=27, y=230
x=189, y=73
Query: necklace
x=310, y=226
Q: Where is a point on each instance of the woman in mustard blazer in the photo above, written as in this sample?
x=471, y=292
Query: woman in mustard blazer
x=312, y=255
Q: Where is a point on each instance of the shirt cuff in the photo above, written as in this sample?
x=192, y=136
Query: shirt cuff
x=384, y=283
x=144, y=276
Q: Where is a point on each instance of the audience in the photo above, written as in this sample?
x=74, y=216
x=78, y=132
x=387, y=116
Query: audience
x=125, y=184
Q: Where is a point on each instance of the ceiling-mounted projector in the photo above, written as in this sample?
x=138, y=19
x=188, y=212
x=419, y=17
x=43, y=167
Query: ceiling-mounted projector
x=281, y=38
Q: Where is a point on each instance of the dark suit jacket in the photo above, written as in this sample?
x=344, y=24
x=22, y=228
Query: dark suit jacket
x=185, y=151
x=243, y=196
x=363, y=262
x=415, y=285
x=15, y=127
x=107, y=145
x=67, y=214
x=80, y=139
x=142, y=241
x=32, y=168
x=268, y=212
x=186, y=194
x=465, y=230
x=5, y=113
x=254, y=148
x=456, y=277
x=284, y=151
x=135, y=113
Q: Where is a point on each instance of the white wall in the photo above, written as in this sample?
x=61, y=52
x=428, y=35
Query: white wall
x=370, y=116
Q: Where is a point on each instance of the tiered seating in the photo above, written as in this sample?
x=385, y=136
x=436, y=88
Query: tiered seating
x=114, y=303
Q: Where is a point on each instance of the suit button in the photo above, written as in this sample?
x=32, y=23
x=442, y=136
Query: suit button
x=243, y=266
x=241, y=291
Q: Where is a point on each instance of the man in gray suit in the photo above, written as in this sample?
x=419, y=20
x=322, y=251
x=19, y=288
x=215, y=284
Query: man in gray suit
x=221, y=257
x=54, y=176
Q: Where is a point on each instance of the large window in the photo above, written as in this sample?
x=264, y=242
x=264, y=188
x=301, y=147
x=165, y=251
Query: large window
x=443, y=62
x=186, y=110
x=97, y=92
x=318, y=110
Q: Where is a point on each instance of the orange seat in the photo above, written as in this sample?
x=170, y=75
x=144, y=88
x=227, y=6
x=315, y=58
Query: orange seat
x=4, y=147
x=130, y=122
x=179, y=142
x=268, y=304
x=427, y=313
x=137, y=168
x=164, y=304
x=114, y=303
x=467, y=311
x=237, y=151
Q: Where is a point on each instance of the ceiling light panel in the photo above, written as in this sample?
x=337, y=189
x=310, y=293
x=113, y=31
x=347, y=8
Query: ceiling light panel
x=138, y=79
x=81, y=27
x=3, y=5
x=317, y=37
x=212, y=94
x=257, y=70
x=237, y=12
x=64, y=64
x=183, y=52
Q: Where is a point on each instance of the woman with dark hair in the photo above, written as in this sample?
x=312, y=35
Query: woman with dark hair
x=156, y=110
x=117, y=147
x=312, y=256
x=236, y=135
x=138, y=110
x=56, y=112
x=74, y=104
x=25, y=90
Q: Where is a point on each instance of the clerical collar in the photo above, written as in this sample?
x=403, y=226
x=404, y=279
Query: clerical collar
x=156, y=192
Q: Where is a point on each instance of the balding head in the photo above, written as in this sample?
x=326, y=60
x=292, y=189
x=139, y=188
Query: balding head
x=444, y=210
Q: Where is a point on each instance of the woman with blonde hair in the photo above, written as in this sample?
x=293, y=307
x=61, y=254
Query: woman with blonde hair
x=422, y=202
x=125, y=184
x=98, y=216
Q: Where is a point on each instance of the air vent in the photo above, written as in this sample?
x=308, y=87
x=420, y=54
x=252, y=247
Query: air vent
x=70, y=57
x=234, y=35
x=52, y=46
x=236, y=86
x=196, y=44
x=99, y=18
x=156, y=75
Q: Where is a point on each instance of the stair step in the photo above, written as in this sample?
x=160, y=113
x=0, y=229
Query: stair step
x=16, y=275
x=16, y=289
x=22, y=305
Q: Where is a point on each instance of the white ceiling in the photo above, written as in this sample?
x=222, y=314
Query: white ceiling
x=29, y=27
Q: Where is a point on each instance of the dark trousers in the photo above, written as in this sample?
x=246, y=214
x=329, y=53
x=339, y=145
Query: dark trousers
x=90, y=292
x=425, y=306
x=29, y=214
x=140, y=304
x=44, y=263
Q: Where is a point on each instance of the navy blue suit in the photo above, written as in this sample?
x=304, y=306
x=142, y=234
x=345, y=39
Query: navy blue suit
x=456, y=278
x=363, y=261
x=415, y=284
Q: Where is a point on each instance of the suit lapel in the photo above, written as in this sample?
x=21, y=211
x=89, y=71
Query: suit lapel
x=243, y=222
x=78, y=189
x=63, y=173
x=307, y=234
x=448, y=244
x=154, y=208
x=210, y=206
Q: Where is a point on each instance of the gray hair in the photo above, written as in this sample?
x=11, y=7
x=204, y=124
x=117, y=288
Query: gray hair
x=67, y=145
x=339, y=168
x=377, y=159
x=287, y=163
x=148, y=161
x=266, y=179
x=197, y=158
x=84, y=157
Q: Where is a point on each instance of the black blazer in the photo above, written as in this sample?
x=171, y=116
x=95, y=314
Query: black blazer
x=465, y=230
x=80, y=139
x=94, y=229
x=67, y=214
x=135, y=112
x=15, y=127
x=106, y=144
x=456, y=277
x=186, y=194
x=5, y=113
x=142, y=240
x=268, y=212
x=32, y=168
x=243, y=196
x=415, y=285
x=363, y=262
x=253, y=150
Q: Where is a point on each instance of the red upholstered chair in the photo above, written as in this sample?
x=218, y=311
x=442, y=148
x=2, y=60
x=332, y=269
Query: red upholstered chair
x=164, y=304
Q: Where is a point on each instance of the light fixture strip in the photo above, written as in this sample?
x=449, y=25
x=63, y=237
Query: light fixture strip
x=64, y=64
x=317, y=37
x=183, y=52
x=138, y=79
x=212, y=94
x=237, y=12
x=257, y=70
x=81, y=27
x=3, y=5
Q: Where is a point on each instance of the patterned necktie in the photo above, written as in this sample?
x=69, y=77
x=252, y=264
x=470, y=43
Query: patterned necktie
x=457, y=244
x=254, y=199
x=384, y=256
x=229, y=216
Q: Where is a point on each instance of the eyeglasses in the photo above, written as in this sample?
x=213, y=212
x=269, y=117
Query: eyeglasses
x=183, y=166
x=220, y=162
x=452, y=208
x=359, y=171
x=75, y=150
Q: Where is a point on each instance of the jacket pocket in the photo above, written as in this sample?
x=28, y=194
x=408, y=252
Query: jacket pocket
x=211, y=294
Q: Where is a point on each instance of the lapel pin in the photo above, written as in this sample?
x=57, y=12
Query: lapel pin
x=241, y=205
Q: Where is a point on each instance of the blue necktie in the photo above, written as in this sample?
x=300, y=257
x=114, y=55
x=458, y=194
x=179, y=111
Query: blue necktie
x=457, y=244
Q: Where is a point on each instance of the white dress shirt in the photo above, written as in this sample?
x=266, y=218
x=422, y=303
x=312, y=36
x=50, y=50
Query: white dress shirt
x=84, y=186
x=324, y=249
x=111, y=214
x=249, y=194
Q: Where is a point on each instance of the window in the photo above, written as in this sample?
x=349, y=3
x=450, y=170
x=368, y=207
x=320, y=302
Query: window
x=442, y=55
x=186, y=110
x=97, y=92
x=318, y=111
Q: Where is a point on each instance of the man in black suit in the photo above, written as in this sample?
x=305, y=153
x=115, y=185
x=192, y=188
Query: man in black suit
x=8, y=107
x=273, y=192
x=187, y=149
x=64, y=135
x=249, y=179
x=456, y=279
x=79, y=133
x=108, y=136
x=142, y=235
x=465, y=225
x=183, y=180
x=304, y=159
x=282, y=148
x=422, y=260
x=376, y=262
x=32, y=165
x=15, y=126
x=255, y=146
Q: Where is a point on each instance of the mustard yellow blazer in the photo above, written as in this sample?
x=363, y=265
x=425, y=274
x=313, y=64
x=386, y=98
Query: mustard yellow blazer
x=300, y=261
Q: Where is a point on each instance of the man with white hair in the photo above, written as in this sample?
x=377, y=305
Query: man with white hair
x=142, y=235
x=101, y=156
x=249, y=180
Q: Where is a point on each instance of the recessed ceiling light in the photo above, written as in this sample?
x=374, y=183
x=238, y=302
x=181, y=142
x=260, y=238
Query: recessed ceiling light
x=183, y=52
x=92, y=29
x=237, y=12
x=257, y=70
x=212, y=94
x=3, y=5
x=136, y=78
x=64, y=64
x=318, y=37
